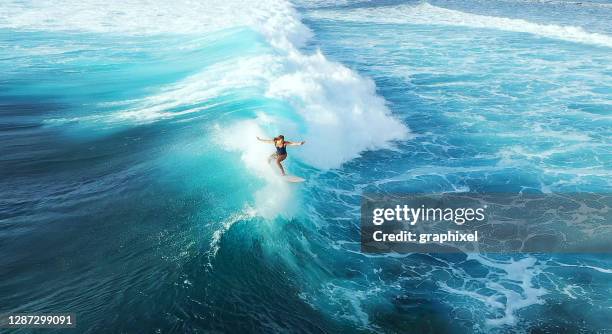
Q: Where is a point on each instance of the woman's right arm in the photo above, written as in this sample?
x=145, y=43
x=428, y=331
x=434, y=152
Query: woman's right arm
x=266, y=140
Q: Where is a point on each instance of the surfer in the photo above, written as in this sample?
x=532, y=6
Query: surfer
x=281, y=150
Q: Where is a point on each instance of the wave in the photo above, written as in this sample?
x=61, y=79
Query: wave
x=428, y=14
x=215, y=242
x=333, y=108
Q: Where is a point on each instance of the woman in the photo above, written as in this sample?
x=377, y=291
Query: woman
x=281, y=150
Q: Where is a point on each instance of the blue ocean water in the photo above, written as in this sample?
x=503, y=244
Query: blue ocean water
x=134, y=194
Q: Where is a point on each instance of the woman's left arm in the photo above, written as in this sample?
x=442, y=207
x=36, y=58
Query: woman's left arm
x=290, y=143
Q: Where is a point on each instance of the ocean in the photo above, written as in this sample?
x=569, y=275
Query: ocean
x=133, y=191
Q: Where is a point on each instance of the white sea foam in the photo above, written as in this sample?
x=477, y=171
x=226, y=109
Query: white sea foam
x=427, y=14
x=276, y=19
x=522, y=273
x=599, y=269
x=336, y=111
x=276, y=197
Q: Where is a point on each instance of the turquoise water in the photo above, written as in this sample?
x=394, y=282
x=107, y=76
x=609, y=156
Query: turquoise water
x=134, y=194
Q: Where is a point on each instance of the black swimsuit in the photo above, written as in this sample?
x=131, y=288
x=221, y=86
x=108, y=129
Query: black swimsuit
x=281, y=150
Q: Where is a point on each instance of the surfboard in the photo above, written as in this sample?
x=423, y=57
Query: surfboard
x=293, y=179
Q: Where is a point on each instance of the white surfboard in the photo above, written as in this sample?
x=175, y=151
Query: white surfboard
x=293, y=178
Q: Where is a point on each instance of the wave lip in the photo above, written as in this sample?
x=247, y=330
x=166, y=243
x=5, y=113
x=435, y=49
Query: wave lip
x=426, y=14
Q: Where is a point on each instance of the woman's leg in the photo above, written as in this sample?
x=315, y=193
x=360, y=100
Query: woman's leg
x=273, y=156
x=279, y=159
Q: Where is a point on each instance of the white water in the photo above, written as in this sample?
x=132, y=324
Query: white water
x=428, y=14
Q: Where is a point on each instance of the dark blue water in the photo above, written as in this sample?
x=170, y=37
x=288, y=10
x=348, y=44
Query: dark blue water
x=134, y=194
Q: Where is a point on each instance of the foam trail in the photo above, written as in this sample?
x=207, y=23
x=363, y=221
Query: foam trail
x=428, y=14
x=599, y=269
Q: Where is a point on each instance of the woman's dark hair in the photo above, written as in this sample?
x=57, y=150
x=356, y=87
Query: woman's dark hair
x=279, y=137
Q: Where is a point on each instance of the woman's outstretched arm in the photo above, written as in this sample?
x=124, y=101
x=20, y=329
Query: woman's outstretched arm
x=266, y=140
x=300, y=143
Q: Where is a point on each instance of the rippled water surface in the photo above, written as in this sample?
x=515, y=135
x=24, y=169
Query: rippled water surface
x=134, y=194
